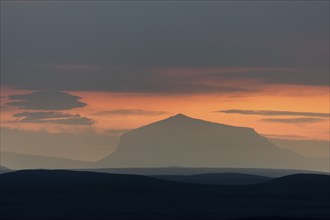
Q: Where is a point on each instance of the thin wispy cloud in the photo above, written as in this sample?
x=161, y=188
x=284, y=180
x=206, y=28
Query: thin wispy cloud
x=293, y=120
x=288, y=137
x=274, y=113
x=135, y=112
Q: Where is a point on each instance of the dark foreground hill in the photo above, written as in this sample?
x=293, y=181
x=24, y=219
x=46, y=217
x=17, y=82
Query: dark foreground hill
x=58, y=194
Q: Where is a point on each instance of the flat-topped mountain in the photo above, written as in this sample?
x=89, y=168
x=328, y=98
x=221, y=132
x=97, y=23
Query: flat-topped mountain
x=183, y=141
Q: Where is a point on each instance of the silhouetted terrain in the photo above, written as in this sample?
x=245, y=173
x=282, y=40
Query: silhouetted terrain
x=187, y=142
x=217, y=178
x=182, y=141
x=58, y=194
x=27, y=161
x=4, y=169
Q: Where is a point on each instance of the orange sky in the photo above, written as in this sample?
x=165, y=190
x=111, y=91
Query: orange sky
x=279, y=97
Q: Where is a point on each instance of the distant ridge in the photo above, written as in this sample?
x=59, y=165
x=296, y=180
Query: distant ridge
x=218, y=178
x=188, y=142
x=4, y=169
x=151, y=171
x=26, y=161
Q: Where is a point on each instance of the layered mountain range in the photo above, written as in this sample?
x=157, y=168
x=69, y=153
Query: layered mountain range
x=181, y=141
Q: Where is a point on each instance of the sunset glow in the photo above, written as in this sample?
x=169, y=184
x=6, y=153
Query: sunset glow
x=125, y=66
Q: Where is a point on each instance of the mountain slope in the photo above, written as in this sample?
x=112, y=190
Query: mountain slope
x=188, y=142
x=26, y=161
x=4, y=169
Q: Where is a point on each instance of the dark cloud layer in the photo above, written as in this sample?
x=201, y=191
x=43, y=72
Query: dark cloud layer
x=46, y=100
x=53, y=118
x=295, y=76
x=136, y=112
x=135, y=80
x=117, y=47
x=293, y=120
x=274, y=113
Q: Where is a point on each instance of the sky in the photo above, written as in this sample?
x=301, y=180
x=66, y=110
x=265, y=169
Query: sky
x=77, y=74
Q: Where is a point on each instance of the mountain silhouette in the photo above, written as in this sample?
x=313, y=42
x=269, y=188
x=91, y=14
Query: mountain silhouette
x=187, y=142
x=63, y=194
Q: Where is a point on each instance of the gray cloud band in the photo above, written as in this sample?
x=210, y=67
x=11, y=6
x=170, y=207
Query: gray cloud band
x=293, y=120
x=46, y=100
x=274, y=113
x=53, y=118
x=138, y=112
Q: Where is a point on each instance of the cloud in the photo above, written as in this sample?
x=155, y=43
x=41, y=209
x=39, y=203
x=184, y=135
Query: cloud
x=293, y=120
x=279, y=76
x=33, y=116
x=117, y=79
x=53, y=118
x=287, y=137
x=135, y=112
x=3, y=108
x=274, y=113
x=119, y=56
x=46, y=100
